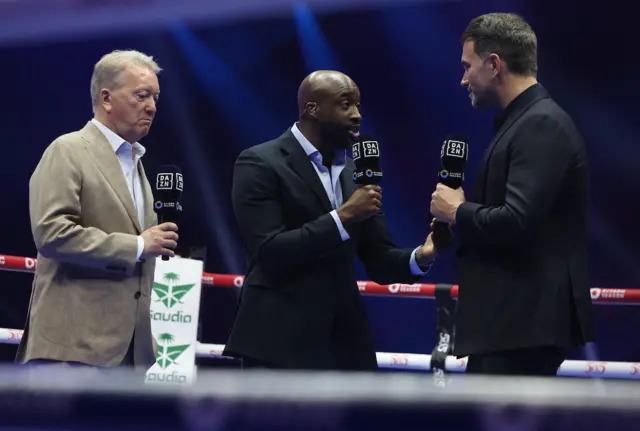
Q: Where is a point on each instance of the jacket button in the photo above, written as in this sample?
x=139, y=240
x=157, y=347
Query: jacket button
x=137, y=295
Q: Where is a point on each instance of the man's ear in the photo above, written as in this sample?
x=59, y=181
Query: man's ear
x=105, y=99
x=496, y=63
x=312, y=109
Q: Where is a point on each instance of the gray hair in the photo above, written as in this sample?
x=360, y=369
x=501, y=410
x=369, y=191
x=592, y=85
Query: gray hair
x=107, y=70
x=509, y=36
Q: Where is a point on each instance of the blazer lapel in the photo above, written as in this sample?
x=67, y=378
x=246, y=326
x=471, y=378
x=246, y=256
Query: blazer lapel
x=482, y=171
x=107, y=162
x=150, y=217
x=300, y=163
x=346, y=181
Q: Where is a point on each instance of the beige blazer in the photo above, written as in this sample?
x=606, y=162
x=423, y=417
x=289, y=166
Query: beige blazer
x=89, y=295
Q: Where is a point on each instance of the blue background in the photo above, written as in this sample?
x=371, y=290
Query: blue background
x=227, y=87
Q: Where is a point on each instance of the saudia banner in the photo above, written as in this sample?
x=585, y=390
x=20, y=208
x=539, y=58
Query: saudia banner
x=175, y=304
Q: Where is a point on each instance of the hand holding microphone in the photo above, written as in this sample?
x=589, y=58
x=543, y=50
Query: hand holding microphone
x=365, y=201
x=448, y=194
x=445, y=202
x=162, y=239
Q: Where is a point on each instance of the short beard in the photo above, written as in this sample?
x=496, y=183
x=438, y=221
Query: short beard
x=336, y=136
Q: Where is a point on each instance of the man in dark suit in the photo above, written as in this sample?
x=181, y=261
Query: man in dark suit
x=524, y=296
x=303, y=221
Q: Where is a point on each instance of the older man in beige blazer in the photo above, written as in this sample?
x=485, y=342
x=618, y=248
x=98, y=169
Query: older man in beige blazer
x=93, y=224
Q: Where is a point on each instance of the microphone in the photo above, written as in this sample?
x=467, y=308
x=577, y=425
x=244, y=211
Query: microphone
x=366, y=156
x=168, y=190
x=453, y=158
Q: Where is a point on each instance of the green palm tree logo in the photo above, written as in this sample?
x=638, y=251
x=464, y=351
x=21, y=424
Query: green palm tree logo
x=167, y=355
x=166, y=338
x=171, y=277
x=171, y=293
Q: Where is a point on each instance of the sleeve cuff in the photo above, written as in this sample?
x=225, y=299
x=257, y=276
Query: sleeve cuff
x=343, y=233
x=413, y=264
x=140, y=248
x=465, y=217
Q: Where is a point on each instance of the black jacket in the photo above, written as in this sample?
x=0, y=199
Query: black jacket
x=300, y=305
x=523, y=235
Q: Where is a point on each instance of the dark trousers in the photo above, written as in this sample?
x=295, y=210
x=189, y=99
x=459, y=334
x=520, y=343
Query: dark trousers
x=248, y=363
x=348, y=350
x=531, y=361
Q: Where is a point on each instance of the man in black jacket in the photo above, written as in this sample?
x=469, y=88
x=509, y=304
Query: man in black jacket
x=303, y=221
x=524, y=296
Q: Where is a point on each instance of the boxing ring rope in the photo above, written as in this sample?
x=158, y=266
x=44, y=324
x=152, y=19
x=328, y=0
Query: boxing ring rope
x=407, y=361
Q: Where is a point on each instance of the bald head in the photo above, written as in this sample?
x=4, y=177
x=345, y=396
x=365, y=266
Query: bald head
x=329, y=109
x=321, y=85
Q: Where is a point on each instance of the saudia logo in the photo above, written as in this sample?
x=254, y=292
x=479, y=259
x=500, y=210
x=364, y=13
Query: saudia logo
x=171, y=294
x=168, y=356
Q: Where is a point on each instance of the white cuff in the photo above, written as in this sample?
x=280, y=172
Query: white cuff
x=343, y=233
x=413, y=264
x=140, y=248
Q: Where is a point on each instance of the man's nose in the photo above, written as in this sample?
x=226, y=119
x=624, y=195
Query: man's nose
x=151, y=106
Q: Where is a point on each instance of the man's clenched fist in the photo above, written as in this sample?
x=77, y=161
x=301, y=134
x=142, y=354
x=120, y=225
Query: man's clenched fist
x=160, y=240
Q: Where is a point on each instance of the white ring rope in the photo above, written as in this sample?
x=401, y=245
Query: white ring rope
x=410, y=361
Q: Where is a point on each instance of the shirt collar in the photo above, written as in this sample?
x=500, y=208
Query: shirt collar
x=339, y=158
x=117, y=142
x=518, y=104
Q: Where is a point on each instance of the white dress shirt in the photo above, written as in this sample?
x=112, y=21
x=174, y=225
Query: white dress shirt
x=128, y=155
x=331, y=183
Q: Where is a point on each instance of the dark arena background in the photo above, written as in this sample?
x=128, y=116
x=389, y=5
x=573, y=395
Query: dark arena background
x=231, y=71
